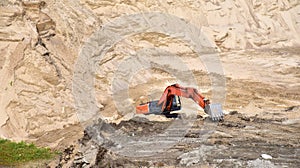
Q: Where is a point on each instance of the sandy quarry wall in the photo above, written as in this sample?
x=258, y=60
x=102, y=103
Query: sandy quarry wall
x=40, y=42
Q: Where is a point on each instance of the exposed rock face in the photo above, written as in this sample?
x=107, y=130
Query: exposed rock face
x=40, y=41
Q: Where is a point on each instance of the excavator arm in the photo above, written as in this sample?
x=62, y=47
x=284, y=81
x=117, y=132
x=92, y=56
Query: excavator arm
x=177, y=90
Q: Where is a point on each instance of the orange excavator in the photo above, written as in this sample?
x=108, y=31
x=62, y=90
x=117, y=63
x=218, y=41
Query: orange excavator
x=170, y=101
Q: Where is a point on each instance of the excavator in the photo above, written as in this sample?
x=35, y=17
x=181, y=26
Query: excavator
x=170, y=102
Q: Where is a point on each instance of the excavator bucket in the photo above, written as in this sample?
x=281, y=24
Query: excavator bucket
x=214, y=111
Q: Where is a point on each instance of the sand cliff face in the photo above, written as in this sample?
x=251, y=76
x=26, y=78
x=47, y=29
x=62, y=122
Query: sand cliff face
x=40, y=42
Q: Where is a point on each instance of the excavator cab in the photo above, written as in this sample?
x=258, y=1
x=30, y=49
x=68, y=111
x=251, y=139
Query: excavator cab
x=176, y=104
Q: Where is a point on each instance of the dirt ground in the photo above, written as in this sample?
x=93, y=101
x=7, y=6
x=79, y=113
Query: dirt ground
x=238, y=141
